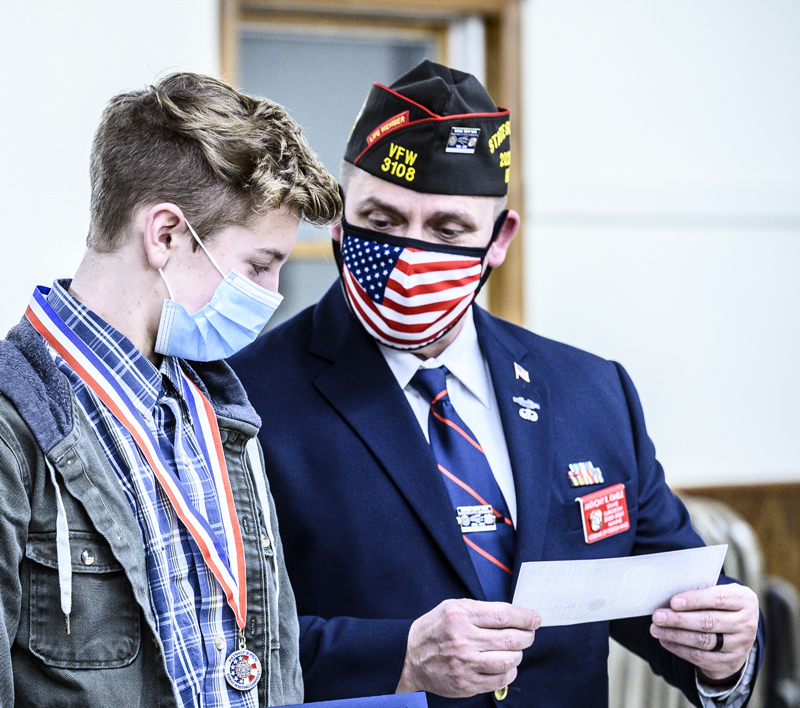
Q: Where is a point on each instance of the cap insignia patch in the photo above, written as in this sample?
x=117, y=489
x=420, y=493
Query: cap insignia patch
x=463, y=140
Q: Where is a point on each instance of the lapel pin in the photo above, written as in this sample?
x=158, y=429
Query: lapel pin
x=584, y=474
x=527, y=408
x=520, y=373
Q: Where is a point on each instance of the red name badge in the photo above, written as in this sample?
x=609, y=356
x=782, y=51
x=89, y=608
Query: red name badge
x=604, y=513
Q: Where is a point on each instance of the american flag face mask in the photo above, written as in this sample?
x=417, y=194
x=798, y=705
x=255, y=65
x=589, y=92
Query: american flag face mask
x=408, y=293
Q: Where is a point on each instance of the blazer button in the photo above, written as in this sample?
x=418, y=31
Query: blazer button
x=501, y=693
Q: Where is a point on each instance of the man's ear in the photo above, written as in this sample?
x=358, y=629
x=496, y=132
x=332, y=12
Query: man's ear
x=497, y=251
x=336, y=232
x=160, y=225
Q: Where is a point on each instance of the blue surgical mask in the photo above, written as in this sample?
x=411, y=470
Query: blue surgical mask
x=231, y=320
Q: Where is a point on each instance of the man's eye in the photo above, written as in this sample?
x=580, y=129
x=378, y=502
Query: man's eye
x=380, y=223
x=258, y=268
x=451, y=232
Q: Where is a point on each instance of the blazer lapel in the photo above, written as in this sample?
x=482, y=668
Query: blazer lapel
x=361, y=387
x=530, y=442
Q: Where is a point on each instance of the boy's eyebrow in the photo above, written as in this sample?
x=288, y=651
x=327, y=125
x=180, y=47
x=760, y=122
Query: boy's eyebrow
x=275, y=253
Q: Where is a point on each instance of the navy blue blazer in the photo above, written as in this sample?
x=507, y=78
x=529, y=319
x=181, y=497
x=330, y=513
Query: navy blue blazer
x=367, y=525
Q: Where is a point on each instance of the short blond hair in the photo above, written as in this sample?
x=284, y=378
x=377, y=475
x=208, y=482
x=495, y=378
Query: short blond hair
x=222, y=157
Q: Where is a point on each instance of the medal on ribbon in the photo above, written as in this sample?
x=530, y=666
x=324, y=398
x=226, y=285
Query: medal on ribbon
x=242, y=667
x=224, y=557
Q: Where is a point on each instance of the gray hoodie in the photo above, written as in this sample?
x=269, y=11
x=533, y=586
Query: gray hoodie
x=113, y=655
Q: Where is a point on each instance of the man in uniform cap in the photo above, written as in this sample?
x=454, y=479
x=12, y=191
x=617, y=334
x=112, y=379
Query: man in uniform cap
x=420, y=450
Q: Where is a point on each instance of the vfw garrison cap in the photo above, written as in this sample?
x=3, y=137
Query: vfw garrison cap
x=434, y=130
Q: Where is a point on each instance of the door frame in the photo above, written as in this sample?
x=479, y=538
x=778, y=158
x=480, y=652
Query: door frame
x=503, y=53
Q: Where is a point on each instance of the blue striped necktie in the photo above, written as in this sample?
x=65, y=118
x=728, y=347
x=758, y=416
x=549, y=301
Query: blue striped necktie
x=470, y=483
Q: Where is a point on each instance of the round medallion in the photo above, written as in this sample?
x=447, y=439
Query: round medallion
x=242, y=670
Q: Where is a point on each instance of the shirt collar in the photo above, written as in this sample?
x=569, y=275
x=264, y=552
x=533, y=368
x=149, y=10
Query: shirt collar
x=116, y=351
x=463, y=359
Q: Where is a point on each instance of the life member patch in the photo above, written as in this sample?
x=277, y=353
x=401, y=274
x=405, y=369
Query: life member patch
x=388, y=126
x=604, y=513
x=463, y=140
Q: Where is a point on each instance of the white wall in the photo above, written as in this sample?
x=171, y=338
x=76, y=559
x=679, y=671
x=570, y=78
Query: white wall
x=62, y=62
x=663, y=174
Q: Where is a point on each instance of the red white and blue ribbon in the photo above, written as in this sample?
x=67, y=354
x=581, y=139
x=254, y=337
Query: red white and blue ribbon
x=228, y=565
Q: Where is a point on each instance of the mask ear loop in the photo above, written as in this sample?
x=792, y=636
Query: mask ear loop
x=169, y=289
x=202, y=245
x=337, y=245
x=498, y=225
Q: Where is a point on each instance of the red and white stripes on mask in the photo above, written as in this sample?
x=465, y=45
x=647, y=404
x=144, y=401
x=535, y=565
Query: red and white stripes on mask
x=408, y=293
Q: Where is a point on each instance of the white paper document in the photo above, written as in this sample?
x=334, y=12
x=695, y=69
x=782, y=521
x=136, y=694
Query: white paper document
x=571, y=592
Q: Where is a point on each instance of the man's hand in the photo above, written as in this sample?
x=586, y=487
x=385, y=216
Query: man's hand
x=690, y=625
x=465, y=647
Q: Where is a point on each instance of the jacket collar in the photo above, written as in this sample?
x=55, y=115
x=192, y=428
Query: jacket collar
x=530, y=442
x=363, y=393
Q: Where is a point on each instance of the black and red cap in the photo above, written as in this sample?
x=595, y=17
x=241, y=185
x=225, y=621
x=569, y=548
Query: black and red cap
x=434, y=130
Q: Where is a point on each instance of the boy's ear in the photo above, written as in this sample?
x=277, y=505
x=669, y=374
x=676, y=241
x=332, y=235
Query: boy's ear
x=161, y=223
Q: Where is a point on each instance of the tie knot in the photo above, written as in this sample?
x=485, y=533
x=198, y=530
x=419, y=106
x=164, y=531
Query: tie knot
x=430, y=382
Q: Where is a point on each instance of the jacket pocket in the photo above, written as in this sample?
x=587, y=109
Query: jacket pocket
x=105, y=627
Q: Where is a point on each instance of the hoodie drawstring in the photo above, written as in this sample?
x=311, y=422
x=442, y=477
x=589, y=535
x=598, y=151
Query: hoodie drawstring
x=63, y=554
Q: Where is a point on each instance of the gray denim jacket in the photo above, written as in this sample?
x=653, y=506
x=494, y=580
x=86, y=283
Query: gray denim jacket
x=113, y=655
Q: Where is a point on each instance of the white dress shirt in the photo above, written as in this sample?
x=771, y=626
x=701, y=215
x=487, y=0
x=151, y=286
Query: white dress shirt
x=469, y=386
